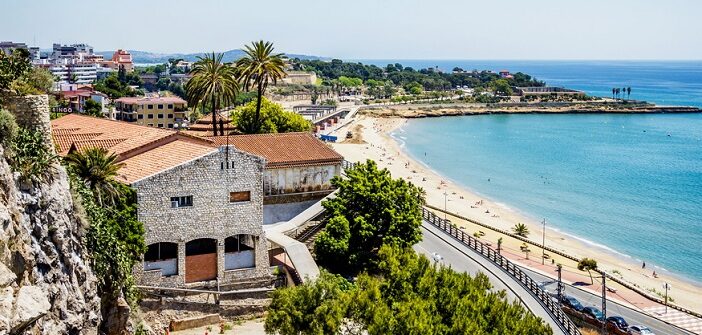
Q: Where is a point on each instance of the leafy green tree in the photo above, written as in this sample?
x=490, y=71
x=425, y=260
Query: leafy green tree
x=501, y=86
x=371, y=209
x=13, y=67
x=520, y=229
x=272, y=119
x=212, y=80
x=97, y=168
x=312, y=308
x=588, y=264
x=259, y=67
x=93, y=108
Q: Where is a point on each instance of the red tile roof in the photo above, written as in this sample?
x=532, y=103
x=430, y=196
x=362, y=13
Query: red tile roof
x=283, y=149
x=159, y=159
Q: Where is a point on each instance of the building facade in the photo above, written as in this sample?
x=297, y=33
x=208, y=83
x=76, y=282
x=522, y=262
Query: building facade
x=161, y=112
x=203, y=221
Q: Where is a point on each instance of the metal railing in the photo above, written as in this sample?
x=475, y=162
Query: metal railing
x=565, y=323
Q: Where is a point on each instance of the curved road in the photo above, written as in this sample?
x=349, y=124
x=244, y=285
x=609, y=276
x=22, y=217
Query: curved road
x=462, y=258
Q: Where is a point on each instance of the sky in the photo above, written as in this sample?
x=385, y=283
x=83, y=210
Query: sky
x=368, y=29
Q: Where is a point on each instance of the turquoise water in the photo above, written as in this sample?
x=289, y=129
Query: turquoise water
x=662, y=82
x=630, y=182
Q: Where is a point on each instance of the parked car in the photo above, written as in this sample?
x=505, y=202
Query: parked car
x=617, y=322
x=593, y=313
x=640, y=330
x=572, y=303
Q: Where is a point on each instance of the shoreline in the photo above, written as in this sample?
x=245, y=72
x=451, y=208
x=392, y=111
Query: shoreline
x=377, y=137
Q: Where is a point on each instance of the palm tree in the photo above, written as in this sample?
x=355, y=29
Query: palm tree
x=212, y=79
x=588, y=264
x=258, y=68
x=97, y=168
x=628, y=92
x=614, y=90
x=520, y=229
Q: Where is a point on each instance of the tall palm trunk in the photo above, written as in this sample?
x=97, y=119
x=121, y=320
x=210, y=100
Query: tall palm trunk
x=257, y=125
x=214, y=117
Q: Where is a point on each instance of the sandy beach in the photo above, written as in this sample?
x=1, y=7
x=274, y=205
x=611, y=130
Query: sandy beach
x=372, y=140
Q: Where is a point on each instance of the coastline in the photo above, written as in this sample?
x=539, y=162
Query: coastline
x=378, y=144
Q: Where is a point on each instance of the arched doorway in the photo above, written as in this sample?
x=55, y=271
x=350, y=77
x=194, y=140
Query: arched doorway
x=200, y=260
x=240, y=252
x=162, y=256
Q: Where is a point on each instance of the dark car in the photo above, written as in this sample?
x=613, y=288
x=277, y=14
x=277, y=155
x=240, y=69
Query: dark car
x=618, y=322
x=572, y=303
x=594, y=313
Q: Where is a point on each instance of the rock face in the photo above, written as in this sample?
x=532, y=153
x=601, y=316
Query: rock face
x=46, y=283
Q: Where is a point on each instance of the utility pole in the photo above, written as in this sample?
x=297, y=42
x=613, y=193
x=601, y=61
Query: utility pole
x=604, y=303
x=543, y=244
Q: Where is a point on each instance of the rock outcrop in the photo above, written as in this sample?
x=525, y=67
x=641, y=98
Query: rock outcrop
x=46, y=283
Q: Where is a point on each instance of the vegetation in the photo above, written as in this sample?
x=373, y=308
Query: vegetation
x=97, y=168
x=115, y=87
x=93, y=108
x=31, y=156
x=588, y=264
x=409, y=295
x=259, y=67
x=371, y=209
x=272, y=119
x=8, y=128
x=17, y=75
x=520, y=229
x=212, y=80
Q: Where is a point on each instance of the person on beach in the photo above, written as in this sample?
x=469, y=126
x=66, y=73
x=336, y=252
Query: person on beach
x=644, y=265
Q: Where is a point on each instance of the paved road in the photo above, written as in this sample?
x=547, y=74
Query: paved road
x=462, y=258
x=632, y=316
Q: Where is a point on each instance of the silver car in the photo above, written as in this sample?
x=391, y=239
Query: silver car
x=639, y=330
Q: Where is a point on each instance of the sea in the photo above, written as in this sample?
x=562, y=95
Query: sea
x=631, y=184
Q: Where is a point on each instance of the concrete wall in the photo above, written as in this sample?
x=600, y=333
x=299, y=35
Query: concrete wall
x=274, y=213
x=211, y=216
x=286, y=181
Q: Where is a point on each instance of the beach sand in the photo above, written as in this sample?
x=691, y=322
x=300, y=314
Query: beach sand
x=440, y=192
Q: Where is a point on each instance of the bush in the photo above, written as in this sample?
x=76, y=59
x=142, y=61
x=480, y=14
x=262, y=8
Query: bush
x=273, y=119
x=31, y=156
x=8, y=128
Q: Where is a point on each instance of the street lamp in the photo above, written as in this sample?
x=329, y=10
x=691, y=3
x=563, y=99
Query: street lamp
x=543, y=244
x=445, y=204
x=667, y=287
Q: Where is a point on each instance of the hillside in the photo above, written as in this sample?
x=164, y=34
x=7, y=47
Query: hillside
x=146, y=57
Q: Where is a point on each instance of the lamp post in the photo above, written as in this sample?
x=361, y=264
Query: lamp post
x=543, y=244
x=445, y=204
x=667, y=287
x=604, y=303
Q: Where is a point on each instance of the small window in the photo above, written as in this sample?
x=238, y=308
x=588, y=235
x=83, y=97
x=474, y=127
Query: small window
x=151, y=124
x=186, y=201
x=160, y=125
x=170, y=116
x=160, y=116
x=170, y=106
x=140, y=116
x=170, y=125
x=239, y=196
x=160, y=106
x=150, y=106
x=150, y=116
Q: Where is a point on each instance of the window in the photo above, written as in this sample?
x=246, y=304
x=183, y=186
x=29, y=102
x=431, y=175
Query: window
x=150, y=106
x=170, y=106
x=151, y=124
x=170, y=125
x=160, y=125
x=239, y=196
x=150, y=116
x=170, y=116
x=186, y=201
x=160, y=106
x=140, y=116
x=160, y=116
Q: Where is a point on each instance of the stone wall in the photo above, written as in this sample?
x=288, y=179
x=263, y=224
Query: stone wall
x=31, y=111
x=208, y=181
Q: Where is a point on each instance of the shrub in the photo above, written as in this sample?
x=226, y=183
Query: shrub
x=8, y=128
x=31, y=156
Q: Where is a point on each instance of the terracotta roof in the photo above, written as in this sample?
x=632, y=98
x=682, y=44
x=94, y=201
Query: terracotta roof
x=105, y=144
x=283, y=149
x=75, y=127
x=160, y=159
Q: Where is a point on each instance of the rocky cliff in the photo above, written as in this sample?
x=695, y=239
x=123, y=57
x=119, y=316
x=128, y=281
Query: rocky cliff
x=46, y=283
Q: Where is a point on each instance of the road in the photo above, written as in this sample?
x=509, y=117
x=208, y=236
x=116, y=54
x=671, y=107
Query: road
x=633, y=317
x=462, y=258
